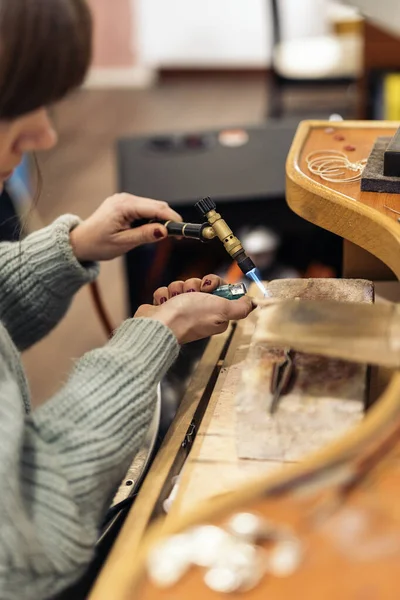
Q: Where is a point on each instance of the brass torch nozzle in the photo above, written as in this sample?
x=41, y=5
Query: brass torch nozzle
x=232, y=244
x=224, y=233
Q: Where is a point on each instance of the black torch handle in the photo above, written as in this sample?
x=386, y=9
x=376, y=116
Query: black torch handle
x=187, y=230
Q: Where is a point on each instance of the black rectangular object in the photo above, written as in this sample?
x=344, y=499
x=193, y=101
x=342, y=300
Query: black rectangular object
x=391, y=159
x=373, y=179
x=254, y=170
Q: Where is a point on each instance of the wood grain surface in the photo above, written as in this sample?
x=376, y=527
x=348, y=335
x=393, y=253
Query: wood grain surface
x=367, y=219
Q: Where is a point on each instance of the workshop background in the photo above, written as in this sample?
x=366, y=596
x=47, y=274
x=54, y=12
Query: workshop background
x=182, y=65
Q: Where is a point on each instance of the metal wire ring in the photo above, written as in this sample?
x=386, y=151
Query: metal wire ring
x=331, y=165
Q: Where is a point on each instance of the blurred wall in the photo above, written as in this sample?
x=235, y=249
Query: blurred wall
x=220, y=33
x=113, y=33
x=116, y=60
x=135, y=37
x=210, y=33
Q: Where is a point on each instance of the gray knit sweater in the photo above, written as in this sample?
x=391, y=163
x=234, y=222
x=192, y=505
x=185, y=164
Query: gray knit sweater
x=60, y=464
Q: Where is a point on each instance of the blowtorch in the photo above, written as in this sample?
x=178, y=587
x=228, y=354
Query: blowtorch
x=215, y=226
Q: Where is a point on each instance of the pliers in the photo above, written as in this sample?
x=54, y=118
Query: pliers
x=281, y=378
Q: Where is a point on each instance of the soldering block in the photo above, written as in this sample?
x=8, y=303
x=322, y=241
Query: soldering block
x=327, y=396
x=373, y=179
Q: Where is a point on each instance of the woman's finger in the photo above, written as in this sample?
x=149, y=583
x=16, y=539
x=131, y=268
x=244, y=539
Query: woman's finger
x=192, y=285
x=221, y=327
x=235, y=310
x=160, y=296
x=209, y=283
x=175, y=288
x=145, y=234
x=146, y=208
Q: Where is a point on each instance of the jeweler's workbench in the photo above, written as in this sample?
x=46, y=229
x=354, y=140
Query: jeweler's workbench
x=202, y=437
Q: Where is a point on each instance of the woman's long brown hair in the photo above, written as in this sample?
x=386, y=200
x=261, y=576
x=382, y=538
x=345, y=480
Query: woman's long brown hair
x=45, y=51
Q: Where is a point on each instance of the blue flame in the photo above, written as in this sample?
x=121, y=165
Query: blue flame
x=253, y=275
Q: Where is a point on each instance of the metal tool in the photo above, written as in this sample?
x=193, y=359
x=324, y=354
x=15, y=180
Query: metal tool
x=215, y=226
x=231, y=291
x=195, y=231
x=207, y=208
x=281, y=378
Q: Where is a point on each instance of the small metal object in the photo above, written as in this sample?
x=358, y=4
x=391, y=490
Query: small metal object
x=231, y=291
x=207, y=543
x=246, y=525
x=250, y=527
x=190, y=435
x=393, y=210
x=281, y=378
x=285, y=558
x=223, y=580
x=239, y=568
x=232, y=560
x=169, y=560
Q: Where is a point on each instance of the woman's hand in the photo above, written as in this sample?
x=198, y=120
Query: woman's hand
x=196, y=315
x=107, y=233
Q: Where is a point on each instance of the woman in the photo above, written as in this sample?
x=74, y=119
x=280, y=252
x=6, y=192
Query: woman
x=60, y=464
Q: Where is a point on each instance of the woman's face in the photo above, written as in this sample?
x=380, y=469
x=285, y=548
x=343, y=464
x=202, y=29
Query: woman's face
x=31, y=132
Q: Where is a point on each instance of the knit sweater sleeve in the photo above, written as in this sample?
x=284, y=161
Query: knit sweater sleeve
x=38, y=278
x=61, y=464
